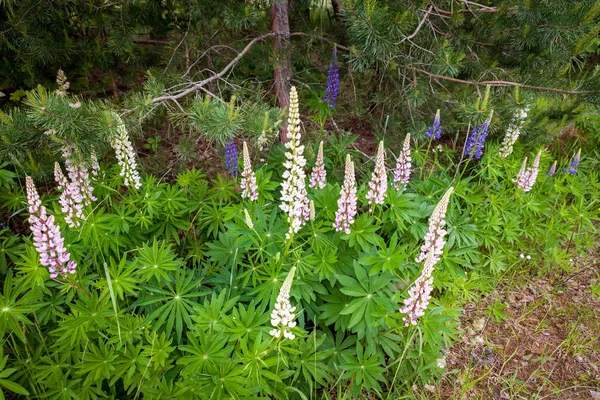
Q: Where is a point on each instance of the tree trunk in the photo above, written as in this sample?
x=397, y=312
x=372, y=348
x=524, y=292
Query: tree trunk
x=337, y=10
x=282, y=70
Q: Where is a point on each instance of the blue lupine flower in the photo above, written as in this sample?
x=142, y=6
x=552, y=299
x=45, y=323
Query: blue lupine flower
x=435, y=130
x=333, y=82
x=231, y=158
x=552, y=170
x=574, y=163
x=476, y=141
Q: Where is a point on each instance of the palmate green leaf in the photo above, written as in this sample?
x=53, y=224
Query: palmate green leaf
x=258, y=361
x=177, y=303
x=226, y=250
x=204, y=350
x=16, y=302
x=130, y=363
x=5, y=374
x=96, y=233
x=208, y=315
x=158, y=349
x=362, y=232
x=323, y=262
x=97, y=365
x=157, y=261
x=403, y=209
x=386, y=257
x=30, y=272
x=332, y=307
x=363, y=369
x=311, y=361
x=10, y=249
x=246, y=323
x=121, y=277
x=223, y=381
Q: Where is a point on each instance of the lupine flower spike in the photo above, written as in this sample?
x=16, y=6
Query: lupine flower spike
x=378, y=183
x=333, y=82
x=476, y=141
x=318, y=175
x=344, y=216
x=294, y=199
x=282, y=316
x=70, y=198
x=434, y=239
x=248, y=219
x=94, y=165
x=527, y=176
x=248, y=182
x=63, y=84
x=46, y=236
x=512, y=133
x=312, y=213
x=574, y=163
x=420, y=293
x=435, y=131
x=125, y=154
x=403, y=164
x=552, y=169
x=231, y=158
x=81, y=184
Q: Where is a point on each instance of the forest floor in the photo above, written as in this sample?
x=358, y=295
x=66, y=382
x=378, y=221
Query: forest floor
x=532, y=338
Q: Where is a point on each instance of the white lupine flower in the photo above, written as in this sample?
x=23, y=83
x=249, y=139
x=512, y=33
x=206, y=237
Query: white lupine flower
x=79, y=176
x=318, y=175
x=312, y=213
x=125, y=154
x=378, y=183
x=248, y=182
x=294, y=199
x=344, y=216
x=420, y=293
x=434, y=239
x=403, y=164
x=282, y=316
x=513, y=132
x=94, y=165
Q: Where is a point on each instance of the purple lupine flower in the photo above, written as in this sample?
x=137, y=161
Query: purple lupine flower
x=574, y=163
x=527, y=176
x=318, y=174
x=403, y=164
x=248, y=182
x=333, y=82
x=71, y=201
x=344, y=216
x=46, y=236
x=231, y=158
x=435, y=131
x=420, y=293
x=294, y=198
x=378, y=183
x=552, y=169
x=476, y=141
x=434, y=239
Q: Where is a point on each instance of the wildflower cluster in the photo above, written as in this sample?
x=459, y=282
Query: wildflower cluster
x=81, y=184
x=46, y=236
x=125, y=154
x=552, y=169
x=344, y=216
x=248, y=183
x=435, y=131
x=333, y=82
x=231, y=158
x=318, y=174
x=62, y=82
x=476, y=140
x=282, y=316
x=378, y=183
x=403, y=164
x=512, y=133
x=71, y=200
x=527, y=176
x=294, y=199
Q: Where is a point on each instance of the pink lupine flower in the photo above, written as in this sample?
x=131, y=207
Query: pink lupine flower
x=434, y=239
x=46, y=236
x=378, y=184
x=403, y=164
x=282, y=316
x=527, y=176
x=420, y=293
x=125, y=154
x=344, y=216
x=294, y=199
x=248, y=182
x=81, y=184
x=318, y=175
x=70, y=198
